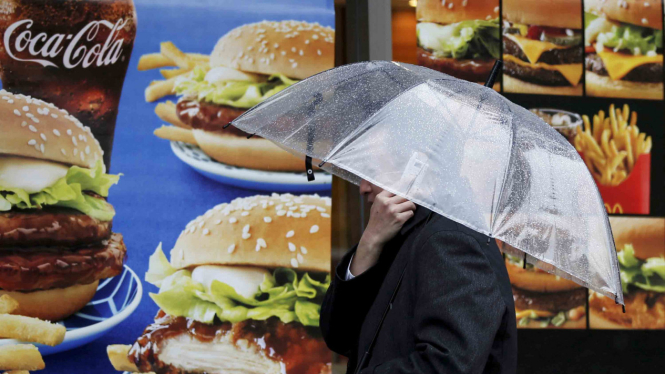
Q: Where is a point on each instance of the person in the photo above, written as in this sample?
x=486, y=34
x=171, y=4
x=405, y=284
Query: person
x=453, y=312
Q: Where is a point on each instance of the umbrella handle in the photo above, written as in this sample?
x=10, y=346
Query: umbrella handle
x=308, y=167
x=493, y=73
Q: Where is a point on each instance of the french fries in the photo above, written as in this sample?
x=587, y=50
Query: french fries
x=118, y=356
x=31, y=329
x=151, y=61
x=8, y=304
x=169, y=56
x=611, y=144
x=20, y=357
x=170, y=51
x=159, y=89
x=170, y=73
x=167, y=112
x=176, y=133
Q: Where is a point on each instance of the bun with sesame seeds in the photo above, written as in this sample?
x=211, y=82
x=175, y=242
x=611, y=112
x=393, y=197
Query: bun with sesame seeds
x=439, y=46
x=266, y=231
x=33, y=128
x=453, y=11
x=644, y=13
x=296, y=49
x=252, y=153
x=624, y=49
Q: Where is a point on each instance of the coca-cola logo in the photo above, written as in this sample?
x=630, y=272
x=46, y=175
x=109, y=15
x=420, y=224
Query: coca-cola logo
x=68, y=49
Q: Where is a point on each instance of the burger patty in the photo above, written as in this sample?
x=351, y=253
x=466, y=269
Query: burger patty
x=42, y=268
x=647, y=73
x=559, y=56
x=549, y=301
x=539, y=76
x=50, y=227
x=644, y=309
x=473, y=70
x=209, y=117
x=250, y=346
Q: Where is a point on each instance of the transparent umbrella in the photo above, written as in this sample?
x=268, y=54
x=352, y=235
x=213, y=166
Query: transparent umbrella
x=457, y=148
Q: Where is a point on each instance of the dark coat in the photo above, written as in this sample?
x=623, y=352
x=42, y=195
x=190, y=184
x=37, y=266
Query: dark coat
x=453, y=313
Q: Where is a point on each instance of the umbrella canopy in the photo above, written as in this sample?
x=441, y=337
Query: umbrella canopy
x=457, y=148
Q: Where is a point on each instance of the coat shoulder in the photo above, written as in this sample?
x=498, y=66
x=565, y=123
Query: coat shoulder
x=485, y=252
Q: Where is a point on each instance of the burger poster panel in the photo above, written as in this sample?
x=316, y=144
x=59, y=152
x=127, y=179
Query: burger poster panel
x=640, y=244
x=543, y=49
x=62, y=73
x=459, y=37
x=629, y=179
x=624, y=49
x=244, y=281
x=543, y=300
x=248, y=64
x=156, y=197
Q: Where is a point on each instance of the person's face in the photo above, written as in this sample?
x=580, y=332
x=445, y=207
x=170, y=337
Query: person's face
x=369, y=190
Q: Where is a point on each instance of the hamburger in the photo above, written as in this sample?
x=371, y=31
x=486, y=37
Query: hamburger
x=459, y=37
x=543, y=300
x=542, y=47
x=640, y=244
x=243, y=291
x=624, y=49
x=56, y=241
x=247, y=65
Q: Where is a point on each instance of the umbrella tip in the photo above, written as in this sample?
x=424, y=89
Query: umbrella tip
x=493, y=73
x=227, y=125
x=524, y=264
x=616, y=300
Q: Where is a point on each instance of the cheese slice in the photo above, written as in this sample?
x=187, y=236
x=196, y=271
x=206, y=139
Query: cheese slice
x=533, y=48
x=526, y=313
x=620, y=64
x=571, y=72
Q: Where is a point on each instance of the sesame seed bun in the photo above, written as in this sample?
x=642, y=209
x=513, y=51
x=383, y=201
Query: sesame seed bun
x=294, y=48
x=231, y=233
x=604, y=86
x=253, y=153
x=54, y=304
x=537, y=281
x=645, y=13
x=554, y=13
x=461, y=10
x=33, y=128
x=647, y=235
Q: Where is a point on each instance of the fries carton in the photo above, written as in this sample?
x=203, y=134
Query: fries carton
x=632, y=195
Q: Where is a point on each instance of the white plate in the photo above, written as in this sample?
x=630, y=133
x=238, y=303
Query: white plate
x=115, y=300
x=272, y=181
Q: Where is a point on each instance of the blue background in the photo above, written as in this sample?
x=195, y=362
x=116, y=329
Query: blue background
x=158, y=194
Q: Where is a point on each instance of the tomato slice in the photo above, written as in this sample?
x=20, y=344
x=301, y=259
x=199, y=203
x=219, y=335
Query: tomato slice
x=534, y=32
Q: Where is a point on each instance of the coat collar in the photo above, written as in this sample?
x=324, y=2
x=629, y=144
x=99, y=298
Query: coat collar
x=420, y=215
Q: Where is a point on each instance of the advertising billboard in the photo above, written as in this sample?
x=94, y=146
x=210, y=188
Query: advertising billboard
x=138, y=232
x=594, y=71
